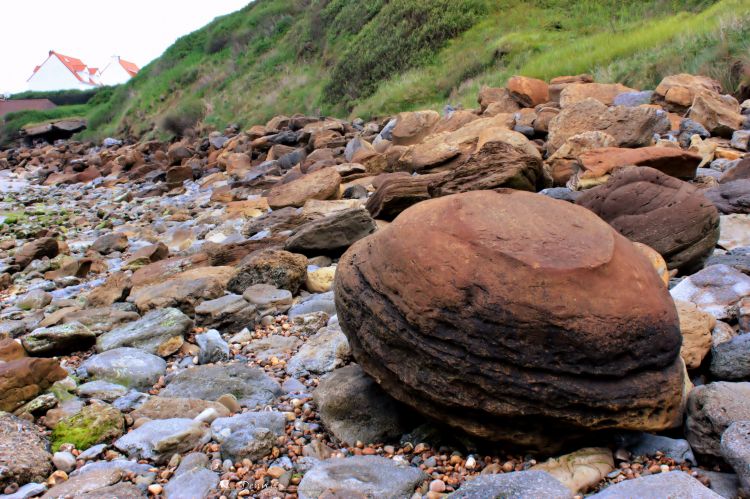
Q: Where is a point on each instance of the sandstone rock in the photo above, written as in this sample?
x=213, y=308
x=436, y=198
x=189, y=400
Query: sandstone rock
x=503, y=158
x=716, y=290
x=184, y=290
x=731, y=197
x=720, y=114
x=602, y=92
x=360, y=476
x=56, y=340
x=711, y=409
x=696, y=327
x=115, y=288
x=388, y=284
x=735, y=231
x=250, y=435
x=175, y=407
x=580, y=470
x=159, y=332
x=671, y=484
x=251, y=386
x=663, y=212
x=267, y=299
x=34, y=300
x=23, y=452
x=596, y=165
x=129, y=367
x=657, y=261
x=516, y=485
x=109, y=243
x=332, y=234
x=11, y=350
x=630, y=126
x=678, y=91
x=399, y=192
x=279, y=268
x=354, y=408
x=39, y=248
x=559, y=83
x=230, y=312
x=496, y=99
x=23, y=379
x=320, y=280
x=320, y=184
x=529, y=92
x=562, y=164
x=412, y=127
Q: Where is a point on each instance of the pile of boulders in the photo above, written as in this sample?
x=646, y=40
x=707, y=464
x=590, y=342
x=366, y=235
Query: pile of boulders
x=545, y=296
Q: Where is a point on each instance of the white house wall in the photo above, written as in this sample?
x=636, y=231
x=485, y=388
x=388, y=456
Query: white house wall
x=114, y=74
x=53, y=75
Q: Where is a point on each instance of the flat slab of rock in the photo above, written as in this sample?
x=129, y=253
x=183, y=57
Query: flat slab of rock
x=159, y=332
x=158, y=440
x=673, y=484
x=357, y=476
x=321, y=184
x=127, y=366
x=172, y=407
x=251, y=386
x=716, y=289
x=332, y=234
x=517, y=485
x=57, y=340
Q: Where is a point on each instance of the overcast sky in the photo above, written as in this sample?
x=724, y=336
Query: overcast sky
x=94, y=30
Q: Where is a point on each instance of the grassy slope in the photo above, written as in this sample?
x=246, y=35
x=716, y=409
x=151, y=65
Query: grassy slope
x=347, y=57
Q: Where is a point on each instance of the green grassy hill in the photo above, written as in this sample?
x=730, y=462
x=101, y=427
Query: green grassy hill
x=354, y=58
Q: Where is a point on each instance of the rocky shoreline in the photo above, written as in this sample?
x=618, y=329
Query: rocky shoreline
x=545, y=296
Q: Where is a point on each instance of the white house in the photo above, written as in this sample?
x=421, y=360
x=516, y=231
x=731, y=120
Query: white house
x=62, y=72
x=117, y=71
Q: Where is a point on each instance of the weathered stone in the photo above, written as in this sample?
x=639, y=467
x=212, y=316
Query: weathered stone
x=678, y=91
x=129, y=367
x=34, y=300
x=731, y=197
x=109, y=243
x=660, y=211
x=735, y=231
x=11, y=350
x=321, y=353
x=250, y=435
x=646, y=444
x=354, y=408
x=564, y=162
x=172, y=407
x=332, y=234
x=580, y=470
x=184, y=290
x=56, y=340
x=212, y=346
x=496, y=100
x=630, y=126
x=251, y=386
x=735, y=449
x=406, y=321
x=716, y=290
x=696, y=327
x=517, y=485
x=96, y=423
x=115, y=288
x=397, y=193
x=711, y=409
x=158, y=440
x=279, y=268
x=320, y=184
x=529, y=92
x=320, y=280
x=23, y=452
x=720, y=114
x=671, y=484
x=602, y=92
x=730, y=360
x=159, y=332
x=360, y=476
x=412, y=127
x=227, y=312
x=502, y=158
x=23, y=379
x=39, y=248
x=268, y=299
x=101, y=390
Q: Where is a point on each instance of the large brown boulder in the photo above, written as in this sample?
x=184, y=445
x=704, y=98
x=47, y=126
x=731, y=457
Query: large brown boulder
x=564, y=162
x=720, y=114
x=630, y=126
x=676, y=92
x=603, y=92
x=398, y=192
x=665, y=213
x=514, y=317
x=503, y=158
x=23, y=379
x=320, y=184
x=412, y=127
x=731, y=197
x=39, y=248
x=529, y=92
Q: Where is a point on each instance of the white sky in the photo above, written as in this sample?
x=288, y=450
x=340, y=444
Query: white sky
x=94, y=30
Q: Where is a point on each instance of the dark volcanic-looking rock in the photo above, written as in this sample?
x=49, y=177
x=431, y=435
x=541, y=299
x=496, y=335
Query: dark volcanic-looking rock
x=667, y=214
x=332, y=234
x=514, y=317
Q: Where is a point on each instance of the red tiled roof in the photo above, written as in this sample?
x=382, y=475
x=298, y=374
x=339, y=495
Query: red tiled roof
x=92, y=71
x=74, y=66
x=131, y=68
